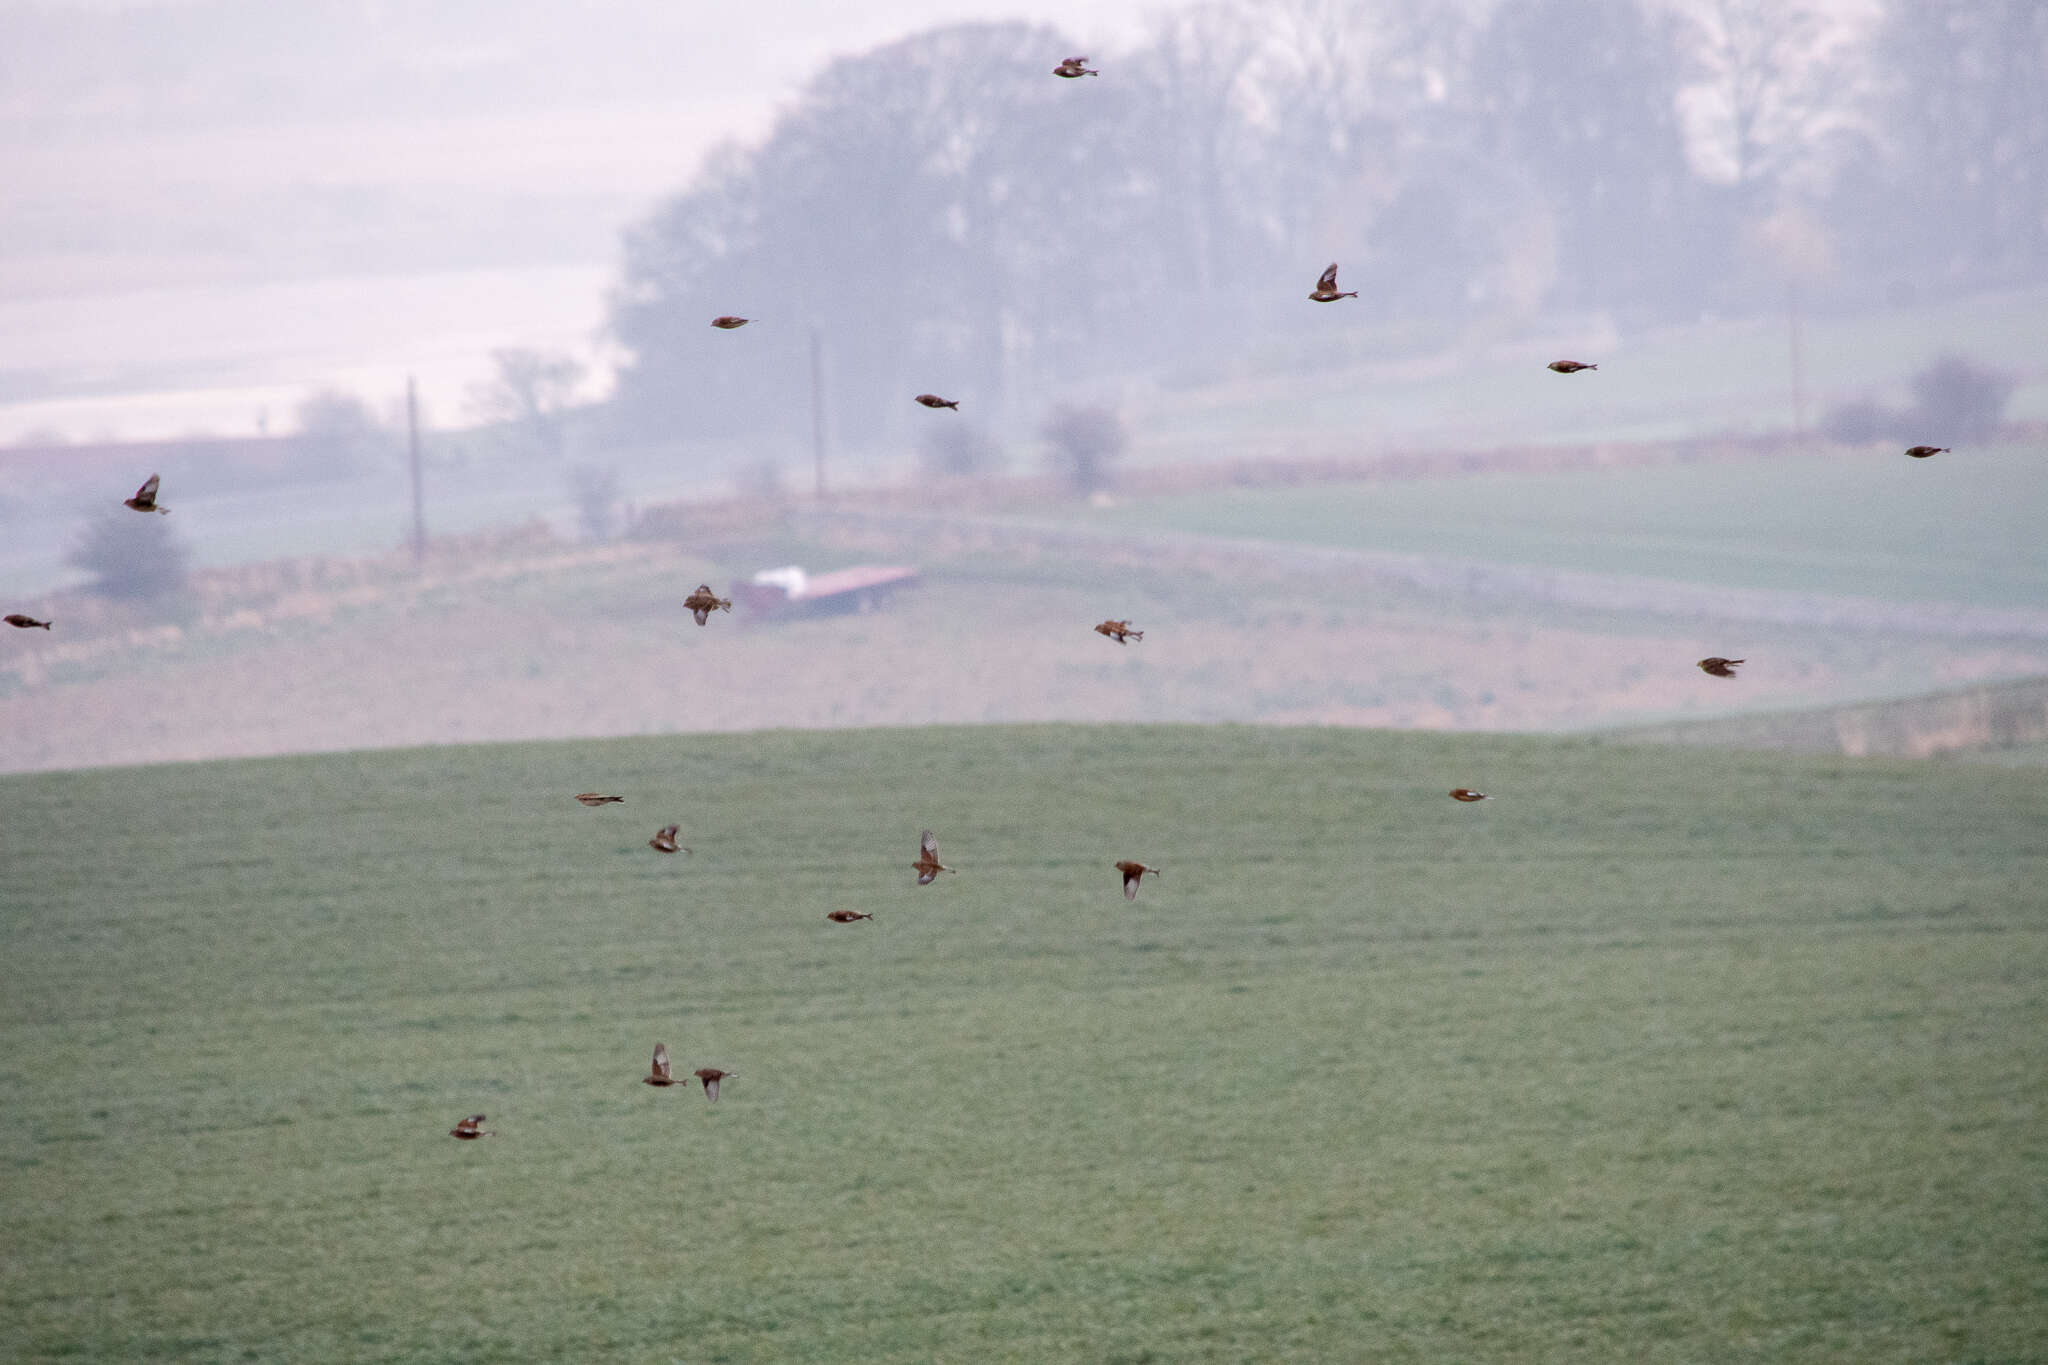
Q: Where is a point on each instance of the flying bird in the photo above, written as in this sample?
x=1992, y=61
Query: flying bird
x=1326, y=287
x=471, y=1127
x=932, y=400
x=711, y=1076
x=728, y=322
x=702, y=603
x=598, y=798
x=845, y=916
x=659, y=1074
x=928, y=865
x=664, y=840
x=145, y=497
x=1467, y=794
x=20, y=622
x=1922, y=452
x=1074, y=67
x=1133, y=874
x=1569, y=366
x=1720, y=667
x=1119, y=631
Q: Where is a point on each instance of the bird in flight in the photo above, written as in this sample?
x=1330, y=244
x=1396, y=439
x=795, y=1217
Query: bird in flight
x=1467, y=794
x=1133, y=874
x=469, y=1128
x=1074, y=67
x=1720, y=667
x=702, y=603
x=711, y=1076
x=1326, y=287
x=932, y=400
x=845, y=916
x=1922, y=452
x=1119, y=631
x=659, y=1073
x=728, y=322
x=664, y=840
x=597, y=798
x=145, y=497
x=20, y=622
x=1569, y=366
x=928, y=865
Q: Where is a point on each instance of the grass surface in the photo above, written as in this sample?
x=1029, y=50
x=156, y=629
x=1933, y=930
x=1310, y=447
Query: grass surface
x=1662, y=1056
x=1961, y=527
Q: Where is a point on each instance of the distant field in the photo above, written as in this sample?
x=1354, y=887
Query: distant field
x=1346, y=382
x=1662, y=1056
x=1963, y=528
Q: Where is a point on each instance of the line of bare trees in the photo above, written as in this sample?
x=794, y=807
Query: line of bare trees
x=950, y=217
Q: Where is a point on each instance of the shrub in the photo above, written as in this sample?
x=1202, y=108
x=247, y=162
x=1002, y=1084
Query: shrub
x=132, y=557
x=596, y=491
x=958, y=448
x=1085, y=442
x=1958, y=399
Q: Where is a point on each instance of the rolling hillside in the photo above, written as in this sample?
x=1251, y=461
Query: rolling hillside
x=1662, y=1055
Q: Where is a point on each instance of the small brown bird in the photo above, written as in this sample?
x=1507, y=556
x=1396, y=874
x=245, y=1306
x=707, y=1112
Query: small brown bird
x=1119, y=631
x=928, y=865
x=1133, y=874
x=664, y=840
x=845, y=916
x=1922, y=452
x=145, y=498
x=597, y=798
x=1720, y=667
x=728, y=322
x=702, y=603
x=711, y=1076
x=471, y=1127
x=1569, y=366
x=932, y=400
x=660, y=1073
x=1467, y=794
x=1326, y=287
x=20, y=622
x=1074, y=67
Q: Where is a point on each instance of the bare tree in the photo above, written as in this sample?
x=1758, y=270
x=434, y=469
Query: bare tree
x=1774, y=80
x=529, y=396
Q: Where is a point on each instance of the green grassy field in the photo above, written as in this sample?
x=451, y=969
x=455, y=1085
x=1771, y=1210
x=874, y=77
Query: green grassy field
x=1662, y=1056
x=1962, y=528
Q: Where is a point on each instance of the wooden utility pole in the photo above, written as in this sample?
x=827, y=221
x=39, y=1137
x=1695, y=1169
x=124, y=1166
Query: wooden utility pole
x=1798, y=362
x=412, y=445
x=818, y=409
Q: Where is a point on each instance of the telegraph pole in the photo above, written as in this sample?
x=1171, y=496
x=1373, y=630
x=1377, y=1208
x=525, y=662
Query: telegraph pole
x=412, y=445
x=818, y=409
x=1798, y=362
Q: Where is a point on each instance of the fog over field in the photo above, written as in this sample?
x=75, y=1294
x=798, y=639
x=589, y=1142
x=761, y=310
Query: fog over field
x=1795, y=238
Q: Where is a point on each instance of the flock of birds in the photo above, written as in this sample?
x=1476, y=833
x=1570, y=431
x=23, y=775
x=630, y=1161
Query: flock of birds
x=703, y=602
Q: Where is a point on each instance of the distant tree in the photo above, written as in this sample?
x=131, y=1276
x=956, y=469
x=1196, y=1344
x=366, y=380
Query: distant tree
x=1772, y=79
x=528, y=396
x=1954, y=181
x=1959, y=399
x=338, y=436
x=595, y=489
x=1085, y=441
x=1581, y=97
x=131, y=558
x=946, y=212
